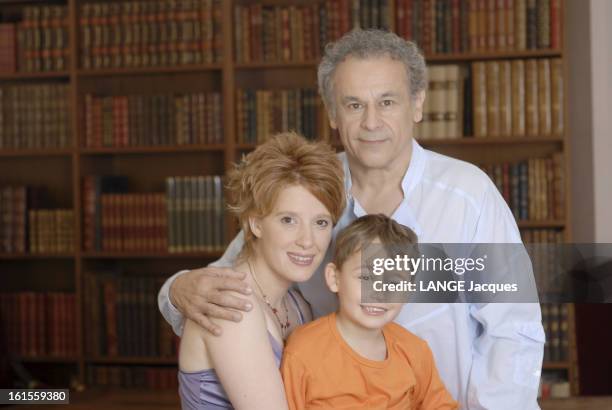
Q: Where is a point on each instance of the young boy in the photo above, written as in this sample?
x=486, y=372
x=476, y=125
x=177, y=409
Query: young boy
x=357, y=358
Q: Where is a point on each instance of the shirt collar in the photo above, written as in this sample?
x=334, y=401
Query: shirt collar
x=412, y=177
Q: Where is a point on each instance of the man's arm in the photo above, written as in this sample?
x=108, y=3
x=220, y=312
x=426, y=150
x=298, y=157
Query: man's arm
x=507, y=355
x=200, y=293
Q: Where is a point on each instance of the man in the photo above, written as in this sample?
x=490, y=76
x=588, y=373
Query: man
x=373, y=86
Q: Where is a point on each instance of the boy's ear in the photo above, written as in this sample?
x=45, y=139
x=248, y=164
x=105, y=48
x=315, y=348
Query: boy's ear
x=255, y=225
x=332, y=277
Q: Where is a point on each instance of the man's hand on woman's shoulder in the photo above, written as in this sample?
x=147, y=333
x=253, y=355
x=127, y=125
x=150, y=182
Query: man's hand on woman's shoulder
x=206, y=292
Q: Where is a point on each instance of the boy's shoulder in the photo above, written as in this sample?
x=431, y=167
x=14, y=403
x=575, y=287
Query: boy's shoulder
x=410, y=342
x=309, y=337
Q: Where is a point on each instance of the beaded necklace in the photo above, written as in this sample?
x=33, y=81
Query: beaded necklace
x=284, y=327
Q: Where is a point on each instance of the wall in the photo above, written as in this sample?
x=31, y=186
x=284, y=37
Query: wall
x=589, y=47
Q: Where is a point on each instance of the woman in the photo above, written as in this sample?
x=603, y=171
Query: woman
x=288, y=194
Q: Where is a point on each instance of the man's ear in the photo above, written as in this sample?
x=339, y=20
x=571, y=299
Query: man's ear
x=332, y=276
x=332, y=121
x=255, y=225
x=419, y=102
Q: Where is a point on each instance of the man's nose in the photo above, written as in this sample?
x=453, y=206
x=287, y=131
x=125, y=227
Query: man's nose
x=371, y=119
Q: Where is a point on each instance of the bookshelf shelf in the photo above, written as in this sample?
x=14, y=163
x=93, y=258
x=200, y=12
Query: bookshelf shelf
x=541, y=224
x=48, y=359
x=153, y=149
x=277, y=64
x=36, y=152
x=471, y=141
x=133, y=360
x=490, y=55
x=556, y=365
x=152, y=255
x=49, y=75
x=26, y=256
x=149, y=70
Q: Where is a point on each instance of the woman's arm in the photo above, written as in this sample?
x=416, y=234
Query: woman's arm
x=244, y=361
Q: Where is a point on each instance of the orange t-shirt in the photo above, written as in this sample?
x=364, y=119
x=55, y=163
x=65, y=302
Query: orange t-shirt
x=321, y=371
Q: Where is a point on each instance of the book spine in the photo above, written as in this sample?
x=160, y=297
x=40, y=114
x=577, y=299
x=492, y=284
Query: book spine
x=505, y=98
x=555, y=24
x=520, y=24
x=531, y=97
x=543, y=23
x=518, y=97
x=479, y=93
x=492, y=98
x=544, y=97
x=557, y=96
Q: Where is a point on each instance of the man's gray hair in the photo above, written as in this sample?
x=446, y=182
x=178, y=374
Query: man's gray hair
x=364, y=44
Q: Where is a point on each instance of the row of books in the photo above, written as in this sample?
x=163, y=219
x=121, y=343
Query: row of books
x=541, y=236
x=555, y=318
x=261, y=113
x=24, y=226
x=150, y=33
x=534, y=189
x=133, y=222
x=444, y=105
x=299, y=32
x=38, y=324
x=553, y=386
x=546, y=253
x=34, y=116
x=150, y=120
x=188, y=217
x=51, y=231
x=196, y=217
x=122, y=318
x=40, y=41
x=13, y=218
x=453, y=26
x=518, y=97
x=490, y=99
x=133, y=376
x=116, y=221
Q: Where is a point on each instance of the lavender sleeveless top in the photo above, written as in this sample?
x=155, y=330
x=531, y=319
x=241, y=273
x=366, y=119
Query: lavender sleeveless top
x=203, y=390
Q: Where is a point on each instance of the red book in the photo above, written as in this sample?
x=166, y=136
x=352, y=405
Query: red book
x=22, y=347
x=428, y=28
x=307, y=44
x=456, y=26
x=315, y=32
x=8, y=56
x=555, y=24
x=62, y=325
x=51, y=328
x=41, y=328
x=344, y=17
x=72, y=324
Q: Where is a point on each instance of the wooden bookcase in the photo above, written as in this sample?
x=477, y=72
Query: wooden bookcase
x=62, y=170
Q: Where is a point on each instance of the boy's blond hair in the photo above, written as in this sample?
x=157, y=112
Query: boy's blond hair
x=365, y=230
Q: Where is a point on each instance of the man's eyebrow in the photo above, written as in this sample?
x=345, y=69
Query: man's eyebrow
x=349, y=98
x=386, y=94
x=389, y=94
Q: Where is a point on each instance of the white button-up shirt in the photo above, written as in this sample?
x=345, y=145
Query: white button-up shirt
x=488, y=355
